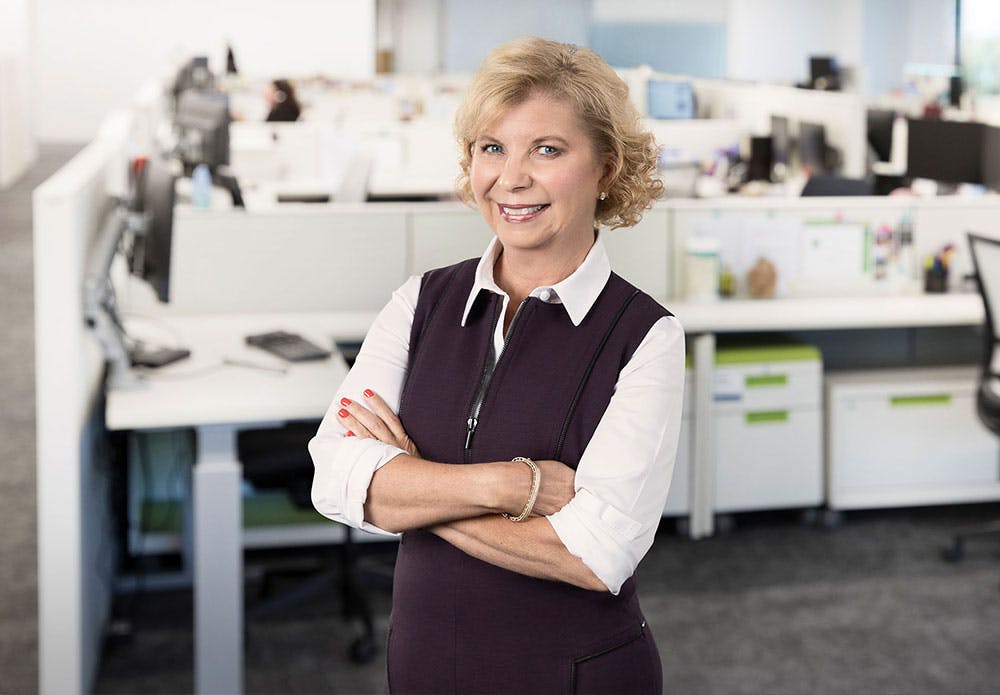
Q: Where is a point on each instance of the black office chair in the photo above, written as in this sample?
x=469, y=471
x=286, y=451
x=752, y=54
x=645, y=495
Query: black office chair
x=986, y=263
x=277, y=458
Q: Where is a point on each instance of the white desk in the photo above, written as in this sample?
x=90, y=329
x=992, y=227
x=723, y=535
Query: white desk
x=218, y=400
x=703, y=320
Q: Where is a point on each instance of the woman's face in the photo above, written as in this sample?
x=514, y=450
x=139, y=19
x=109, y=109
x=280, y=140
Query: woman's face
x=535, y=177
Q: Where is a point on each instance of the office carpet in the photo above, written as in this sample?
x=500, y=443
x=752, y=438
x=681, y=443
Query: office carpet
x=18, y=557
x=773, y=607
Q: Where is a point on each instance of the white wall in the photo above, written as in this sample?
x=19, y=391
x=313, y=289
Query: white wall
x=18, y=149
x=930, y=31
x=472, y=29
x=659, y=10
x=93, y=56
x=413, y=29
x=897, y=32
x=771, y=40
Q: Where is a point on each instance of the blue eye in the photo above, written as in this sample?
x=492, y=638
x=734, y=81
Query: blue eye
x=547, y=150
x=492, y=148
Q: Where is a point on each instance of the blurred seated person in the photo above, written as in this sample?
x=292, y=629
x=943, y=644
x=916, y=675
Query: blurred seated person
x=281, y=101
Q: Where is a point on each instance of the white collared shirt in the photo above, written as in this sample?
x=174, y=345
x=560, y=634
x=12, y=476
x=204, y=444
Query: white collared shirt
x=624, y=474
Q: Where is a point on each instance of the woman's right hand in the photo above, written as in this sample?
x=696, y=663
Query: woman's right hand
x=376, y=420
x=556, y=488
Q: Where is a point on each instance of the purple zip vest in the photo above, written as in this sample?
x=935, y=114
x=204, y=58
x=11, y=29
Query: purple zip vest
x=460, y=625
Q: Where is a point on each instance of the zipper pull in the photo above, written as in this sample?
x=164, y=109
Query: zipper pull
x=471, y=430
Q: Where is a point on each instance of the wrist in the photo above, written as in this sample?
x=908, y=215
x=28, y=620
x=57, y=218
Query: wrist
x=529, y=504
x=511, y=486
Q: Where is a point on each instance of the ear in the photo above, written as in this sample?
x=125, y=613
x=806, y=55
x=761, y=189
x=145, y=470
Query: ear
x=608, y=174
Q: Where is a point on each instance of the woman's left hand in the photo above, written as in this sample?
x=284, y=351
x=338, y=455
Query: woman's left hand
x=374, y=419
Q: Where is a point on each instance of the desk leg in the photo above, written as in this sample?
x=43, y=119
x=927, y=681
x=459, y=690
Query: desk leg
x=218, y=563
x=702, y=489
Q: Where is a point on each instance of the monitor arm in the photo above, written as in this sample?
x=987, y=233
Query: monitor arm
x=100, y=308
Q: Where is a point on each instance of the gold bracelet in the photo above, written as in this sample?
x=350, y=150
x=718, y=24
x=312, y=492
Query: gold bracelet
x=536, y=482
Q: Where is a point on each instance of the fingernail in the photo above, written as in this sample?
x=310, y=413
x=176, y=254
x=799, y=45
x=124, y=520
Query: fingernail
x=369, y=393
x=342, y=413
x=345, y=401
x=349, y=434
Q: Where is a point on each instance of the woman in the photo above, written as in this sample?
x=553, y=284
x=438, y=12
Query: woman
x=281, y=101
x=554, y=381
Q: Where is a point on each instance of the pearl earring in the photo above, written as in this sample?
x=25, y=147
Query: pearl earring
x=603, y=196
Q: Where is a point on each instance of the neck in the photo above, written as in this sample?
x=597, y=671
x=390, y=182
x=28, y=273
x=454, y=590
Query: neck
x=517, y=271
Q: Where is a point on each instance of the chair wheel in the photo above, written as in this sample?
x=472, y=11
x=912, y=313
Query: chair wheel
x=831, y=519
x=362, y=650
x=724, y=524
x=953, y=553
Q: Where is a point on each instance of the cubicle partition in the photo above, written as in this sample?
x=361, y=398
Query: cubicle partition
x=381, y=159
x=835, y=247
x=350, y=257
x=347, y=258
x=75, y=538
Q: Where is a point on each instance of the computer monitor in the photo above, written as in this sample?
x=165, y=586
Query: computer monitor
x=781, y=148
x=948, y=151
x=202, y=124
x=812, y=147
x=670, y=99
x=144, y=219
x=824, y=73
x=879, y=128
x=193, y=74
x=760, y=164
x=991, y=157
x=153, y=198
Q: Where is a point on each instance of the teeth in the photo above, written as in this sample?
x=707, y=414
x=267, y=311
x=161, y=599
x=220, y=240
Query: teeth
x=521, y=211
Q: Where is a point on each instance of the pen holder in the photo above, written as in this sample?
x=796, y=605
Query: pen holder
x=935, y=281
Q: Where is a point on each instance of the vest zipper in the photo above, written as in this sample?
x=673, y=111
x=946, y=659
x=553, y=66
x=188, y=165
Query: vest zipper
x=473, y=421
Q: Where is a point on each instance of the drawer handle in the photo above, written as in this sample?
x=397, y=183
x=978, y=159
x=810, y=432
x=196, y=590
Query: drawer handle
x=931, y=399
x=762, y=416
x=766, y=380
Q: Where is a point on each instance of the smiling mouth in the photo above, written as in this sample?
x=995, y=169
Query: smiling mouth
x=521, y=213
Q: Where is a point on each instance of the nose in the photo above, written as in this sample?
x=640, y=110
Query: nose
x=515, y=174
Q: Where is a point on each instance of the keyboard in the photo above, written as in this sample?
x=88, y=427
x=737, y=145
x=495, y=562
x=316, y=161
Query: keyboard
x=288, y=346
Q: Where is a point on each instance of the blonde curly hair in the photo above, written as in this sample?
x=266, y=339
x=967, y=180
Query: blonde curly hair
x=529, y=66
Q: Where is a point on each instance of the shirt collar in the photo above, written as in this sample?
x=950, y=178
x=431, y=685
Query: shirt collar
x=577, y=293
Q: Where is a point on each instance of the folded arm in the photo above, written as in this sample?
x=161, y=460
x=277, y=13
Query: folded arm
x=530, y=547
x=369, y=474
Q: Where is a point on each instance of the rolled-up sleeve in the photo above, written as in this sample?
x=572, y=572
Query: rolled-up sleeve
x=624, y=475
x=344, y=466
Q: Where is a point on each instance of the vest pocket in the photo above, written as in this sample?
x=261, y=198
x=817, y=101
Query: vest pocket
x=624, y=663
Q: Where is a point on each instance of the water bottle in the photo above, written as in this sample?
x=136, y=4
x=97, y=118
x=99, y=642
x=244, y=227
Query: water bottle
x=201, y=187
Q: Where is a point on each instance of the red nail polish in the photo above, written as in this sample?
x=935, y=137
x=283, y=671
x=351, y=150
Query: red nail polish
x=349, y=434
x=369, y=393
x=345, y=401
x=342, y=413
